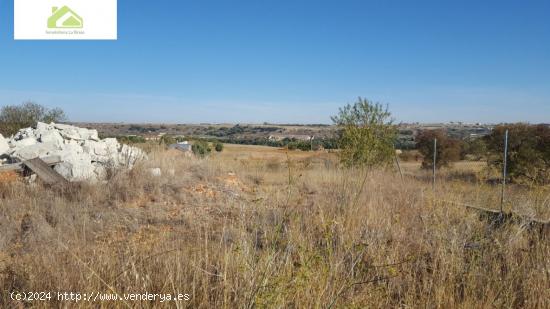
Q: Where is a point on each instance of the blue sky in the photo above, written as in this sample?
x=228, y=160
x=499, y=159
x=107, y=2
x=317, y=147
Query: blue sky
x=292, y=61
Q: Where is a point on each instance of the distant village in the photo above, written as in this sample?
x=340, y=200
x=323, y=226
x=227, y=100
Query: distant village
x=276, y=134
x=457, y=130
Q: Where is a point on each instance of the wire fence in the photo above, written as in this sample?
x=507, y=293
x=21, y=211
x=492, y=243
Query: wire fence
x=490, y=191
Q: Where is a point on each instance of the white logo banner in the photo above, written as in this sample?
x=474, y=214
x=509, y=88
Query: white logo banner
x=65, y=19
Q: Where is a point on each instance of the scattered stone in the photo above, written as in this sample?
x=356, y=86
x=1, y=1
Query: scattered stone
x=84, y=156
x=155, y=172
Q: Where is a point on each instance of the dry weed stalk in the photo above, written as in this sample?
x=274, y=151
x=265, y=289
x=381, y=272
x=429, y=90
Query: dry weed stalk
x=307, y=237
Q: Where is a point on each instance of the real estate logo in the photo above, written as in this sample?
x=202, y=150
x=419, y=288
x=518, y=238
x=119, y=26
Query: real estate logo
x=64, y=18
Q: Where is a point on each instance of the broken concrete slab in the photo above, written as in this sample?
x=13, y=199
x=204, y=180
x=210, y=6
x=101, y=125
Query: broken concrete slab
x=103, y=151
x=23, y=133
x=128, y=156
x=51, y=137
x=100, y=171
x=4, y=146
x=34, y=151
x=84, y=156
x=76, y=133
x=76, y=170
x=27, y=141
x=42, y=127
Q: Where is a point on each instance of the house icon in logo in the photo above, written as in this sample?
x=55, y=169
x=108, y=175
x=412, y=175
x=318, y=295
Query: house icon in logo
x=64, y=18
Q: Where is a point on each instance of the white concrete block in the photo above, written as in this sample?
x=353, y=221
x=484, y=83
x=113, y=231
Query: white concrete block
x=51, y=137
x=33, y=151
x=155, y=172
x=4, y=146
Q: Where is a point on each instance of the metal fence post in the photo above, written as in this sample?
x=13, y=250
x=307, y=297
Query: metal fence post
x=504, y=171
x=398, y=166
x=435, y=162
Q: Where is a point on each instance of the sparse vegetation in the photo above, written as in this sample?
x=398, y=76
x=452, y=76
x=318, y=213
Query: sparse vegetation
x=367, y=134
x=201, y=148
x=258, y=227
x=132, y=139
x=447, y=150
x=167, y=140
x=15, y=117
x=528, y=152
x=474, y=149
x=410, y=155
x=325, y=143
x=239, y=130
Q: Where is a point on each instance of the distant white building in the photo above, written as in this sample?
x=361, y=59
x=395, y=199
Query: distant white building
x=184, y=147
x=299, y=137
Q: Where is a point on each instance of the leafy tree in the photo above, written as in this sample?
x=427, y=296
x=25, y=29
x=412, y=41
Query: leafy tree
x=367, y=134
x=15, y=117
x=292, y=146
x=448, y=149
x=298, y=144
x=528, y=152
x=475, y=149
x=167, y=140
x=330, y=143
x=201, y=148
x=218, y=147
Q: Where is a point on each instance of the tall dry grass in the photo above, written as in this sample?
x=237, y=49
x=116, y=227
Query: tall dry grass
x=282, y=232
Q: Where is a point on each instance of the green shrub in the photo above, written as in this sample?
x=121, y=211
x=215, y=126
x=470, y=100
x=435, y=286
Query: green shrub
x=15, y=117
x=201, y=148
x=131, y=139
x=167, y=140
x=218, y=147
x=367, y=134
x=474, y=149
x=528, y=152
x=292, y=146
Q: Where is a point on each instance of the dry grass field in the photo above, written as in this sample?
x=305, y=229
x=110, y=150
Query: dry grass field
x=257, y=227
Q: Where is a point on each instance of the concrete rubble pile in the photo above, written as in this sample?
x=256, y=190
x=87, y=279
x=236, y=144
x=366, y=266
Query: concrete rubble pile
x=84, y=157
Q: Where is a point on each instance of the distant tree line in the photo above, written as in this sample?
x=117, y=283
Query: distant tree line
x=131, y=139
x=374, y=143
x=239, y=130
x=298, y=124
x=291, y=143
